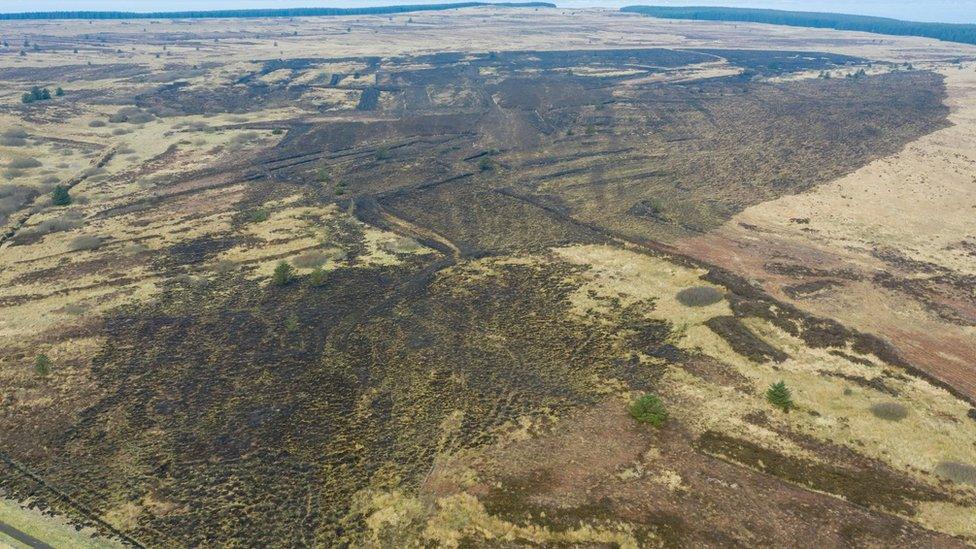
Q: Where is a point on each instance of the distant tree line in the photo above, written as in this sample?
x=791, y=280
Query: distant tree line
x=287, y=12
x=950, y=32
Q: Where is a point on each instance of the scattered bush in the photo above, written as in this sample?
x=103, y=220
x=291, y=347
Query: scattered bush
x=318, y=277
x=96, y=124
x=955, y=471
x=36, y=94
x=311, y=259
x=649, y=409
x=13, y=198
x=292, y=323
x=699, y=296
x=382, y=153
x=258, y=215
x=42, y=365
x=890, y=411
x=75, y=309
x=13, y=137
x=283, y=274
x=23, y=163
x=485, y=164
x=400, y=245
x=323, y=175
x=779, y=395
x=12, y=141
x=59, y=92
x=60, y=196
x=85, y=242
x=48, y=226
x=243, y=139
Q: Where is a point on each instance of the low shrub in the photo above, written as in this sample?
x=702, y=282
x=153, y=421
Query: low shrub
x=15, y=132
x=485, y=164
x=258, y=215
x=13, y=137
x=311, y=259
x=23, y=163
x=42, y=365
x=318, y=277
x=85, y=242
x=48, y=226
x=12, y=141
x=889, y=411
x=649, y=409
x=956, y=471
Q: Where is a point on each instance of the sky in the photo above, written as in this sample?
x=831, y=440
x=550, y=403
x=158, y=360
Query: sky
x=947, y=11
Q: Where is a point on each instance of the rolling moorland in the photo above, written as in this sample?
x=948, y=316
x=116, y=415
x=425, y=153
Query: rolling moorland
x=490, y=276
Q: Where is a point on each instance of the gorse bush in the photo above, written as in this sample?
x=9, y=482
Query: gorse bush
x=649, y=409
x=779, y=395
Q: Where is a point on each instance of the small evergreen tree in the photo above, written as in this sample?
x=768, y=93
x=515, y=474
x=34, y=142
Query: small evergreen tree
x=59, y=92
x=60, y=196
x=779, y=395
x=284, y=273
x=649, y=409
x=318, y=277
x=42, y=365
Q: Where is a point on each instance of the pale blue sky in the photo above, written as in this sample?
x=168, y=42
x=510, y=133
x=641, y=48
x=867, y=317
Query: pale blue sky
x=950, y=11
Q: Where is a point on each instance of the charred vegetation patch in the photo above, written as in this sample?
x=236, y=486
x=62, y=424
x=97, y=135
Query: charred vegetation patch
x=231, y=400
x=869, y=484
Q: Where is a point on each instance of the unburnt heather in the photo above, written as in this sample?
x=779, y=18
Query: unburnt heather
x=402, y=296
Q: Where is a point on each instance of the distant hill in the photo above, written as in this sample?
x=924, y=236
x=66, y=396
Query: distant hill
x=288, y=12
x=839, y=21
